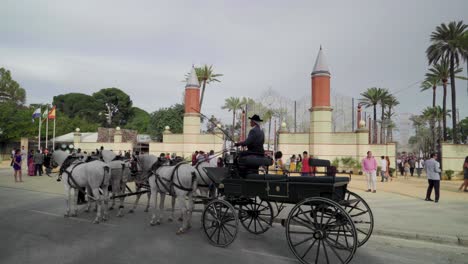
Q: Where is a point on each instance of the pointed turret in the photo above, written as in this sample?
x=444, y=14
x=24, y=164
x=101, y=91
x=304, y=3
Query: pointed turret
x=321, y=65
x=192, y=80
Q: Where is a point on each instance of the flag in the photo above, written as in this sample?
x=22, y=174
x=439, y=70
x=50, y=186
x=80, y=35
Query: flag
x=52, y=113
x=36, y=114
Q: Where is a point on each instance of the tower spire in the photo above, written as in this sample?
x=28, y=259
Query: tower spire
x=192, y=80
x=321, y=65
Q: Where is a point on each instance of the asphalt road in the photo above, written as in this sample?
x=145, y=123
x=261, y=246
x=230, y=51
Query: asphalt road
x=33, y=230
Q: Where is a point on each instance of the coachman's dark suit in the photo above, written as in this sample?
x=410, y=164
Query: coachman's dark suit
x=254, y=141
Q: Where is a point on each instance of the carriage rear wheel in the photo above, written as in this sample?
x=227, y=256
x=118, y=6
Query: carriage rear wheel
x=220, y=223
x=361, y=214
x=256, y=216
x=319, y=230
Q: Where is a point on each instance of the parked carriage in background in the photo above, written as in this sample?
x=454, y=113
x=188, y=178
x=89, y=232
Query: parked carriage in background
x=326, y=224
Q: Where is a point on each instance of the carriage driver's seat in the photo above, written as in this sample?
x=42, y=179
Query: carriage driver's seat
x=249, y=164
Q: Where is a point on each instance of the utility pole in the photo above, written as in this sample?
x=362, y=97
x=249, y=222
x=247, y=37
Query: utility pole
x=352, y=114
x=295, y=123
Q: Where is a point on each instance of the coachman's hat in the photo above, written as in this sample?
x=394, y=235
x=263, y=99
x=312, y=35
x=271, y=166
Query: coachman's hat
x=255, y=118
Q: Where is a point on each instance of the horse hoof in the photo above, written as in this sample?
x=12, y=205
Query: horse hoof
x=131, y=211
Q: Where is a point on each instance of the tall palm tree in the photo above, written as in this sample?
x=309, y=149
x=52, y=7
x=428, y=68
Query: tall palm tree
x=371, y=97
x=441, y=72
x=436, y=113
x=205, y=76
x=392, y=101
x=384, y=98
x=232, y=104
x=447, y=44
x=430, y=83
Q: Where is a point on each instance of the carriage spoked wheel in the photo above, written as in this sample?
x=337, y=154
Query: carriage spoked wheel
x=220, y=223
x=319, y=230
x=256, y=216
x=361, y=214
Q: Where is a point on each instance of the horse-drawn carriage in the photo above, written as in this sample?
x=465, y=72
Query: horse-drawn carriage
x=326, y=223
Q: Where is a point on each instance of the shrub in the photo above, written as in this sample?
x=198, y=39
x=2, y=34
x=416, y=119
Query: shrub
x=449, y=174
x=336, y=162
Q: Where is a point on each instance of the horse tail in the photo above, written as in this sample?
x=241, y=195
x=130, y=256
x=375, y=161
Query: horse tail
x=106, y=178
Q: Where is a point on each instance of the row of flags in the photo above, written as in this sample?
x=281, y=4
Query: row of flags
x=45, y=116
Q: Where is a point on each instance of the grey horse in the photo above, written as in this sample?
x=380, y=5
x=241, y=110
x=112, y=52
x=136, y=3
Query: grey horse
x=78, y=174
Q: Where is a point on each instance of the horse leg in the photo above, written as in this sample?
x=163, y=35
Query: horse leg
x=137, y=189
x=88, y=206
x=183, y=207
x=191, y=206
x=121, y=192
x=105, y=197
x=75, y=203
x=161, y=206
x=98, y=201
x=147, y=203
x=67, y=197
x=114, y=192
x=173, y=201
x=154, y=195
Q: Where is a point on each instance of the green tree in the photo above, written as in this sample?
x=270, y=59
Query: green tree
x=232, y=104
x=372, y=97
x=78, y=105
x=15, y=122
x=205, y=76
x=385, y=96
x=430, y=83
x=116, y=103
x=391, y=102
x=140, y=120
x=441, y=72
x=172, y=116
x=447, y=43
x=10, y=90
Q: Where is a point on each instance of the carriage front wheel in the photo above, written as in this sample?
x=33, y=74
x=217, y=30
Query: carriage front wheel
x=256, y=216
x=319, y=230
x=361, y=214
x=220, y=223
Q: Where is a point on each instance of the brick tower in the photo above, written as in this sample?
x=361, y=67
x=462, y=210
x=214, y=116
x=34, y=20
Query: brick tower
x=321, y=111
x=192, y=104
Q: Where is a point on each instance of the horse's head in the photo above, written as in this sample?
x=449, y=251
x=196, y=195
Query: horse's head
x=57, y=158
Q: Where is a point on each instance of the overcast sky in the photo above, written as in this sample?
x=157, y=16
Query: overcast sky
x=146, y=47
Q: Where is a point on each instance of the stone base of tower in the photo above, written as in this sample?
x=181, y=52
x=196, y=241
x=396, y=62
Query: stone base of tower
x=191, y=123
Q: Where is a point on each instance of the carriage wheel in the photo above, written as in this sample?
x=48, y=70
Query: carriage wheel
x=361, y=214
x=220, y=223
x=319, y=230
x=256, y=216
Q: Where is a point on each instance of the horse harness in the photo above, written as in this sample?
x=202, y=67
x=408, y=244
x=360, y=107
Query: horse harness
x=169, y=184
x=205, y=183
x=71, y=180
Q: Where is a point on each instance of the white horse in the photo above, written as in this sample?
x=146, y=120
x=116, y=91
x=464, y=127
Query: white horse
x=205, y=184
x=180, y=181
x=78, y=174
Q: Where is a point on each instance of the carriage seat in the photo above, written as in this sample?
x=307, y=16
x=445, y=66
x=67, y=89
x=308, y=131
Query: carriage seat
x=318, y=179
x=255, y=161
x=268, y=177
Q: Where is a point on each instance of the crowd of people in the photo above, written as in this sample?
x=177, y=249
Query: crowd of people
x=35, y=162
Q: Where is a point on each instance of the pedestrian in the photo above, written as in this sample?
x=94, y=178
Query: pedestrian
x=389, y=174
x=47, y=165
x=194, y=158
x=127, y=154
x=220, y=162
x=213, y=160
x=31, y=167
x=407, y=169
x=401, y=166
x=465, y=176
x=38, y=161
x=280, y=168
x=432, y=167
x=369, y=167
x=17, y=160
x=12, y=157
x=419, y=166
x=305, y=169
x=292, y=163
x=383, y=169
x=412, y=163
x=299, y=163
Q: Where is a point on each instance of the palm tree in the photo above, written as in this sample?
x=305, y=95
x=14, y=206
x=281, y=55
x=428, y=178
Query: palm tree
x=441, y=72
x=372, y=98
x=447, y=44
x=205, y=76
x=392, y=101
x=384, y=98
x=232, y=104
x=437, y=114
x=428, y=83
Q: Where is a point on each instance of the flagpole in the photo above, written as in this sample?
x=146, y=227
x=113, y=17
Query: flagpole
x=53, y=139
x=39, y=137
x=47, y=128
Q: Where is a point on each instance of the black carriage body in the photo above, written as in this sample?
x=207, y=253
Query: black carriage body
x=286, y=189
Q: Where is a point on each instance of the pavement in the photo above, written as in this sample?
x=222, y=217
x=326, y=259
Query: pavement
x=398, y=207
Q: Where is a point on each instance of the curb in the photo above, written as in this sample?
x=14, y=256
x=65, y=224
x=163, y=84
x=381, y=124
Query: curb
x=442, y=239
